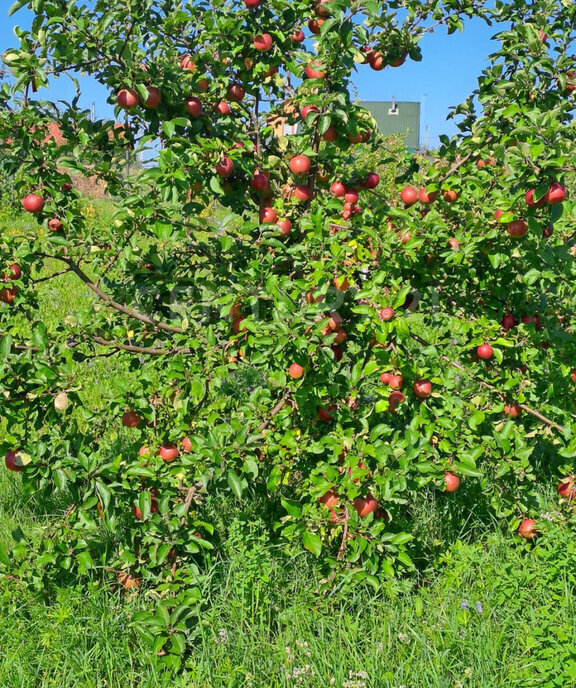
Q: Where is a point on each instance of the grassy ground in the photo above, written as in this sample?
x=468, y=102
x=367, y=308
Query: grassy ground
x=492, y=612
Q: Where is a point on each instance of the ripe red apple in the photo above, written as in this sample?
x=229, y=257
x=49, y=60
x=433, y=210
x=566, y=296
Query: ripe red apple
x=203, y=85
x=548, y=230
x=527, y=529
x=295, y=371
x=485, y=352
x=534, y=319
x=321, y=8
x=396, y=381
x=194, y=106
x=238, y=326
x=513, y=410
x=351, y=196
x=451, y=481
x=307, y=109
x=451, y=196
x=372, y=180
x=263, y=42
x=426, y=197
x=300, y=164
x=341, y=336
x=329, y=499
x=573, y=375
x=222, y=108
x=187, y=63
x=532, y=202
x=567, y=488
x=168, y=452
x=259, y=181
x=385, y=378
x=337, y=189
x=517, y=228
x=365, y=505
x=66, y=187
x=154, y=98
x=386, y=314
x=131, y=419
x=302, y=193
x=8, y=295
x=312, y=73
x=335, y=321
x=498, y=214
x=398, y=61
x=315, y=25
x=268, y=216
x=153, y=509
x=298, y=36
x=285, y=226
x=235, y=92
x=324, y=414
x=508, y=321
x=555, y=194
x=422, y=389
x=14, y=273
x=127, y=98
x=54, y=225
x=409, y=195
x=12, y=461
x=454, y=243
x=33, y=203
x=394, y=399
x=338, y=351
x=331, y=134
x=252, y=3
x=225, y=167
x=376, y=61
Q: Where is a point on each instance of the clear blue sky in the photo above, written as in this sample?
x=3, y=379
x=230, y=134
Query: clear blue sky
x=445, y=77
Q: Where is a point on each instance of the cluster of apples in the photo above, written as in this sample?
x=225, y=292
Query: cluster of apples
x=34, y=204
x=421, y=388
x=378, y=60
x=8, y=294
x=555, y=195
x=364, y=506
x=350, y=194
x=410, y=196
x=167, y=452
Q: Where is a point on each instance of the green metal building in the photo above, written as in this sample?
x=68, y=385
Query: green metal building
x=395, y=117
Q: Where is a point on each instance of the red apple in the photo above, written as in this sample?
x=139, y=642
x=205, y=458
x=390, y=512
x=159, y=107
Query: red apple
x=235, y=92
x=315, y=25
x=409, y=195
x=341, y=283
x=372, y=180
x=450, y=195
x=259, y=181
x=376, y=61
x=532, y=202
x=268, y=216
x=508, y=321
x=13, y=462
x=426, y=197
x=187, y=63
x=203, y=85
x=263, y=42
x=154, y=98
x=396, y=381
x=131, y=419
x=187, y=445
x=295, y=371
x=329, y=499
x=14, y=273
x=54, y=225
x=307, y=109
x=454, y=243
x=331, y=134
x=225, y=167
x=153, y=509
x=168, y=452
x=300, y=164
x=312, y=73
x=238, y=326
x=527, y=529
x=222, y=108
x=365, y=505
x=252, y=3
x=127, y=98
x=341, y=336
x=8, y=295
x=285, y=226
x=566, y=488
x=517, y=228
x=351, y=196
x=337, y=189
x=324, y=414
x=485, y=352
x=302, y=193
x=386, y=314
x=514, y=410
x=423, y=389
x=548, y=230
x=298, y=36
x=321, y=9
x=451, y=481
x=385, y=378
x=337, y=351
x=33, y=203
x=555, y=194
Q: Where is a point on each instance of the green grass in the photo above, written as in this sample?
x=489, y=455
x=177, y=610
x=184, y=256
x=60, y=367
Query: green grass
x=268, y=623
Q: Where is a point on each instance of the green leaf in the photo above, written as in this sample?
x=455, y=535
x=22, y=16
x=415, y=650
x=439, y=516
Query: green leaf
x=6, y=343
x=236, y=484
x=4, y=555
x=312, y=542
x=39, y=336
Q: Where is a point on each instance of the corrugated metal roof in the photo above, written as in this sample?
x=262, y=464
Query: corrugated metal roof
x=396, y=118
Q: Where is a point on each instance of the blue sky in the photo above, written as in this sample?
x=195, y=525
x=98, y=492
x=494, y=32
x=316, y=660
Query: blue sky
x=446, y=76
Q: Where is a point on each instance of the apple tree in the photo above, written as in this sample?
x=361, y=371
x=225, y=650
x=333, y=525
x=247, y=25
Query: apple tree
x=275, y=323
